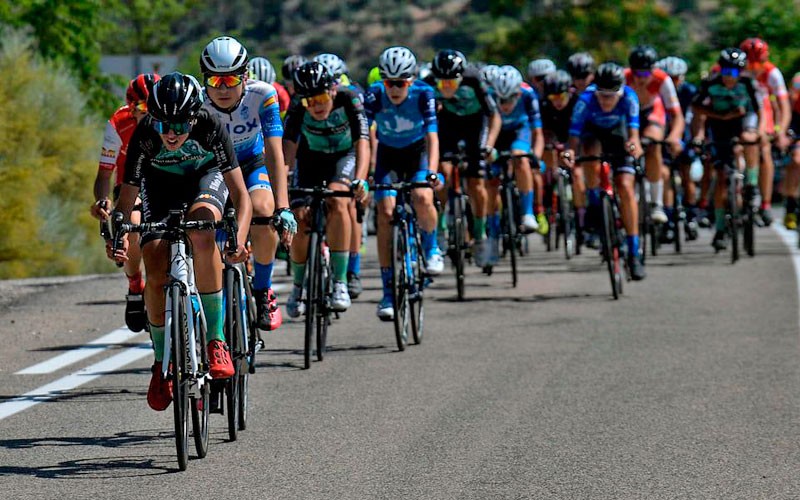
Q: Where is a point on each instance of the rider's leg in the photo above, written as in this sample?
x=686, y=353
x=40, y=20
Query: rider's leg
x=338, y=230
x=654, y=164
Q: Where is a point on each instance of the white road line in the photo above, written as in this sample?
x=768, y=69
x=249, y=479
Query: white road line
x=790, y=240
x=118, y=336
x=58, y=387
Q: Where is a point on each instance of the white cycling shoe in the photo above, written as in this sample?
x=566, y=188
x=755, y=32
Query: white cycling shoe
x=295, y=306
x=385, y=310
x=529, y=223
x=341, y=297
x=435, y=263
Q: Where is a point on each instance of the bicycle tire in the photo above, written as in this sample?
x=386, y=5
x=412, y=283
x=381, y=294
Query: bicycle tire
x=323, y=312
x=399, y=289
x=232, y=335
x=610, y=252
x=748, y=227
x=417, y=304
x=654, y=236
x=200, y=404
x=644, y=218
x=733, y=217
x=565, y=214
x=243, y=381
x=180, y=396
x=311, y=297
x=459, y=230
x=511, y=232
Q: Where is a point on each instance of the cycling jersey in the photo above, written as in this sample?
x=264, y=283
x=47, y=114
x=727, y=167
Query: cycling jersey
x=119, y=130
x=283, y=98
x=686, y=92
x=401, y=125
x=345, y=125
x=714, y=96
x=255, y=118
x=660, y=85
x=770, y=82
x=525, y=113
x=471, y=98
x=587, y=112
x=555, y=123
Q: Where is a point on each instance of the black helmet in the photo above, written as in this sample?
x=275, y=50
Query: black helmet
x=580, y=65
x=642, y=57
x=290, y=64
x=610, y=76
x=175, y=98
x=732, y=58
x=557, y=83
x=448, y=64
x=312, y=78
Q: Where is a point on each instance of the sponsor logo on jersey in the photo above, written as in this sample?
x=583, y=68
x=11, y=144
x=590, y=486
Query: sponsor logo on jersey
x=270, y=101
x=108, y=153
x=263, y=177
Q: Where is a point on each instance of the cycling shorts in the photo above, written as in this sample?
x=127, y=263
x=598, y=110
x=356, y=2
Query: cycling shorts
x=473, y=131
x=400, y=164
x=314, y=168
x=612, y=142
x=515, y=140
x=256, y=175
x=655, y=115
x=795, y=125
x=162, y=193
x=722, y=132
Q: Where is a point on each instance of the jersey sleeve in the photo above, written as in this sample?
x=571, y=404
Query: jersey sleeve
x=427, y=108
x=776, y=83
x=632, y=108
x=111, y=149
x=141, y=150
x=270, y=115
x=752, y=93
x=487, y=102
x=669, y=95
x=212, y=137
x=359, y=128
x=580, y=114
x=372, y=101
x=294, y=122
x=532, y=109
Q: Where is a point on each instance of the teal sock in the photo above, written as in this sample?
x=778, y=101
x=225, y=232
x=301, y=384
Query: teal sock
x=212, y=306
x=157, y=336
x=719, y=219
x=751, y=176
x=339, y=262
x=298, y=270
x=442, y=221
x=479, y=228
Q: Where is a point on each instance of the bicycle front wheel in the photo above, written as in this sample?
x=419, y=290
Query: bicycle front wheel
x=610, y=248
x=232, y=326
x=312, y=294
x=460, y=235
x=733, y=215
x=417, y=281
x=325, y=287
x=180, y=391
x=200, y=400
x=565, y=218
x=510, y=233
x=399, y=288
x=644, y=218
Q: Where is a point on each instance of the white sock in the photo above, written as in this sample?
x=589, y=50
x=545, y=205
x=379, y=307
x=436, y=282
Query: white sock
x=657, y=193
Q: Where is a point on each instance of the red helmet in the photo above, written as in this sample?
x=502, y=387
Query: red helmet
x=140, y=87
x=756, y=49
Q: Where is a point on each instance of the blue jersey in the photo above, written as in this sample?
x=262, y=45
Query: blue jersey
x=401, y=125
x=588, y=112
x=256, y=117
x=526, y=112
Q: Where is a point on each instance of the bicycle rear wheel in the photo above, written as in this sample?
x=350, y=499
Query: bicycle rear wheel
x=180, y=395
x=610, y=248
x=644, y=218
x=399, y=287
x=679, y=216
x=200, y=402
x=748, y=227
x=733, y=216
x=232, y=325
x=460, y=242
x=565, y=216
x=312, y=294
x=323, y=313
x=417, y=281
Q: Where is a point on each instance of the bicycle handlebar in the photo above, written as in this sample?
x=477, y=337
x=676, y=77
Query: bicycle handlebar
x=406, y=186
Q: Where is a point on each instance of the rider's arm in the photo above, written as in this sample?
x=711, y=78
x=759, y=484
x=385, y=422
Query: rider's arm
x=490, y=110
x=143, y=146
x=272, y=130
x=291, y=133
x=535, y=122
x=241, y=201
x=669, y=96
x=359, y=131
x=427, y=105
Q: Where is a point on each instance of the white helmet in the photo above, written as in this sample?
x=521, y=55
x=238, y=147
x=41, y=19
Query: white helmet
x=507, y=82
x=223, y=55
x=489, y=73
x=540, y=68
x=424, y=70
x=674, y=66
x=261, y=69
x=335, y=64
x=397, y=63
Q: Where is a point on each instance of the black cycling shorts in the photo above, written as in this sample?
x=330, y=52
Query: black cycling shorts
x=313, y=169
x=612, y=142
x=473, y=130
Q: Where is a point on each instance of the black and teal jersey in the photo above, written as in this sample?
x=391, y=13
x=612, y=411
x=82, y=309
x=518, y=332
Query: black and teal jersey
x=715, y=97
x=345, y=125
x=471, y=98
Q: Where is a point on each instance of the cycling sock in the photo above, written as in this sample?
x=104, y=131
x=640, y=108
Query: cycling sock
x=633, y=246
x=719, y=219
x=670, y=211
x=765, y=205
x=493, y=226
x=791, y=204
x=136, y=283
x=428, y=241
x=478, y=228
x=581, y=216
x=263, y=277
x=751, y=176
x=354, y=264
x=339, y=261
x=442, y=220
x=157, y=336
x=212, y=306
x=593, y=196
x=657, y=193
x=526, y=200
x=386, y=278
x=298, y=273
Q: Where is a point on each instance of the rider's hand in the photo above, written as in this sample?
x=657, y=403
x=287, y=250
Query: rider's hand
x=286, y=225
x=568, y=158
x=490, y=154
x=436, y=180
x=237, y=256
x=635, y=148
x=675, y=146
x=782, y=140
x=122, y=252
x=360, y=190
x=101, y=209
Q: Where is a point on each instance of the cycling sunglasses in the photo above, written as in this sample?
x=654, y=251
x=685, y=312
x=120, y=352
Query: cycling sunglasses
x=400, y=84
x=642, y=73
x=316, y=99
x=227, y=80
x=558, y=97
x=178, y=128
x=448, y=83
x=732, y=72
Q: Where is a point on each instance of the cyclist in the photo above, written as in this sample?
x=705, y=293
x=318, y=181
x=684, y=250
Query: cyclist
x=538, y=69
x=657, y=98
x=580, y=66
x=556, y=110
x=521, y=133
x=676, y=68
x=404, y=111
x=327, y=133
x=290, y=64
x=468, y=113
x=259, y=68
x=181, y=154
x=488, y=74
x=250, y=111
x=606, y=119
x=119, y=130
x=727, y=105
x=770, y=83
x=792, y=176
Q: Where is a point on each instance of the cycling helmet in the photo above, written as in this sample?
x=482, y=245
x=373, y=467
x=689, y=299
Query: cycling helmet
x=539, y=68
x=223, y=55
x=397, y=63
x=374, y=76
x=448, y=64
x=261, y=69
x=642, y=57
x=557, y=83
x=673, y=66
x=175, y=98
x=290, y=65
x=580, y=65
x=424, y=70
x=489, y=73
x=139, y=88
x=335, y=64
x=312, y=78
x=507, y=82
x=732, y=58
x=756, y=49
x=610, y=76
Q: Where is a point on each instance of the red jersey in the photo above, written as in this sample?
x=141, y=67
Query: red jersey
x=119, y=130
x=660, y=84
x=283, y=97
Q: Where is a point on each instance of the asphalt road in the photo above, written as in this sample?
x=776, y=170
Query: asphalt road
x=687, y=387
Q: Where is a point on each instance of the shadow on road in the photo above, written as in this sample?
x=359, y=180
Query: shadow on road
x=99, y=468
x=527, y=300
x=98, y=395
